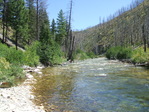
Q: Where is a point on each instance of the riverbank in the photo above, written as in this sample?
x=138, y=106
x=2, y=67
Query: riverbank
x=135, y=56
x=19, y=98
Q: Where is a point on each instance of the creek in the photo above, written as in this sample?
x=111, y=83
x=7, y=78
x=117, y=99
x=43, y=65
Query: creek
x=93, y=85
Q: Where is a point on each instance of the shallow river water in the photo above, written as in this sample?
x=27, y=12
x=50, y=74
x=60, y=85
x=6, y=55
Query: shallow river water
x=93, y=85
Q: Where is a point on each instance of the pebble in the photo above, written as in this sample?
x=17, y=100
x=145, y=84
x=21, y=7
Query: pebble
x=19, y=98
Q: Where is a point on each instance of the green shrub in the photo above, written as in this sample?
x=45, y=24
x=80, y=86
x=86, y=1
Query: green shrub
x=112, y=52
x=119, y=53
x=3, y=50
x=139, y=56
x=50, y=53
x=80, y=55
x=15, y=56
x=9, y=72
x=11, y=54
x=91, y=54
x=18, y=57
x=4, y=64
x=124, y=53
x=30, y=55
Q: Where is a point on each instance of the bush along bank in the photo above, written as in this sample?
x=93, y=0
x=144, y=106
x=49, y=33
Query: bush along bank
x=11, y=62
x=81, y=55
x=127, y=54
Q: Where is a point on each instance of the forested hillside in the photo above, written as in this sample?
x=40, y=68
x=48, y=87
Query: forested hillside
x=25, y=24
x=127, y=27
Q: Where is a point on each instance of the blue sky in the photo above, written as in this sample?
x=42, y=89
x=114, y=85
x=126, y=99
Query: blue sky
x=86, y=13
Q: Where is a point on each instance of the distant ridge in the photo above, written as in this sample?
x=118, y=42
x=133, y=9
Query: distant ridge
x=129, y=28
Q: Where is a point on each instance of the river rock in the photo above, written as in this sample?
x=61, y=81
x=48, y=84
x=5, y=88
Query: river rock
x=36, y=70
x=19, y=98
x=29, y=76
x=101, y=75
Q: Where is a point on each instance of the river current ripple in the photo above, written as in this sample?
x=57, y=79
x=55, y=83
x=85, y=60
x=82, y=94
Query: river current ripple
x=94, y=85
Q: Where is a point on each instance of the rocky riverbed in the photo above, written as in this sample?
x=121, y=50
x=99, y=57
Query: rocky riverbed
x=19, y=98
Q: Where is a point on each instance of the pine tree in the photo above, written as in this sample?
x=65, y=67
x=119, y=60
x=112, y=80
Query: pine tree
x=3, y=16
x=61, y=28
x=49, y=51
x=18, y=19
x=41, y=16
x=45, y=33
x=53, y=28
x=44, y=39
x=31, y=20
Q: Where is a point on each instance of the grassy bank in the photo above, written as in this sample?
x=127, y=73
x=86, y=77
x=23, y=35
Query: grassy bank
x=11, y=62
x=137, y=55
x=81, y=55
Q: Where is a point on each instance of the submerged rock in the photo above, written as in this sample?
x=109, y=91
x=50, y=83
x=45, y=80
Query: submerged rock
x=101, y=75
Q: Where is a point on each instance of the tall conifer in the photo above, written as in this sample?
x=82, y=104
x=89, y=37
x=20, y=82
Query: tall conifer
x=18, y=19
x=61, y=28
x=53, y=28
x=31, y=20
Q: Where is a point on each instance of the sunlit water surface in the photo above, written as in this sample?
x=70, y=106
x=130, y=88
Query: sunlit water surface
x=94, y=85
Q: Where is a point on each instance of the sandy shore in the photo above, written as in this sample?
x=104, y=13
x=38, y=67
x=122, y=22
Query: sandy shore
x=19, y=98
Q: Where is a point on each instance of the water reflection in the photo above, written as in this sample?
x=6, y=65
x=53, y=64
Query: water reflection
x=55, y=87
x=82, y=87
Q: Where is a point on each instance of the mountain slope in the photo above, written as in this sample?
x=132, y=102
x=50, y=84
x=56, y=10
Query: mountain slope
x=129, y=28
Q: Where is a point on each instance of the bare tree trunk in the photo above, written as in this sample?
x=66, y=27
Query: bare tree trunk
x=144, y=38
x=68, y=46
x=16, y=40
x=73, y=41
x=68, y=29
x=71, y=49
x=6, y=35
x=3, y=32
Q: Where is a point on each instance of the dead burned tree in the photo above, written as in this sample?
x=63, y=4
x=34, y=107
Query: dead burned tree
x=143, y=28
x=69, y=43
x=71, y=47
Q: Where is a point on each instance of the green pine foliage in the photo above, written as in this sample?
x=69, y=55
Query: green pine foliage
x=50, y=54
x=49, y=51
x=17, y=19
x=53, y=26
x=31, y=21
x=61, y=28
x=53, y=29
